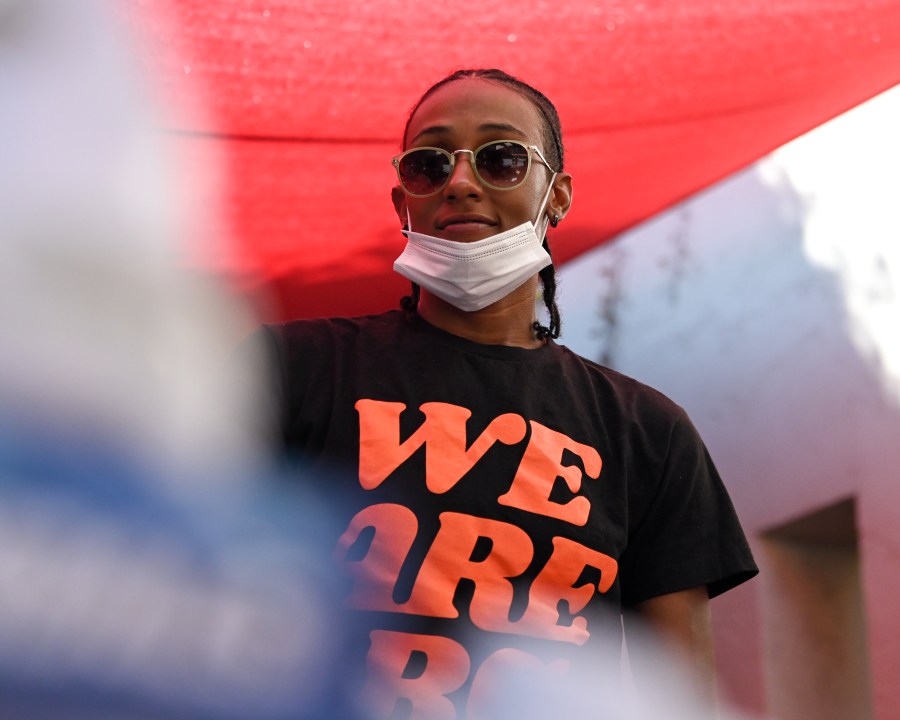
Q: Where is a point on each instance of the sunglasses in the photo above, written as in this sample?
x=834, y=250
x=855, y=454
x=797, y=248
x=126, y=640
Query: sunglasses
x=499, y=164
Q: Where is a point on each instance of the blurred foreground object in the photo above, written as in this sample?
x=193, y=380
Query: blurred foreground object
x=102, y=328
x=150, y=563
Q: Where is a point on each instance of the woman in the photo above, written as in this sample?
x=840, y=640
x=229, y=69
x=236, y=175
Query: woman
x=506, y=498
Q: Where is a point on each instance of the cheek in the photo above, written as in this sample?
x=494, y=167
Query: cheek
x=524, y=207
x=421, y=212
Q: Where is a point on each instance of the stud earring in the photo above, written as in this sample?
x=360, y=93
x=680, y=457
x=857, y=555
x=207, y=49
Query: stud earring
x=554, y=221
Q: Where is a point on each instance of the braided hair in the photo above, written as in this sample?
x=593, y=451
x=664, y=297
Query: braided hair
x=552, y=141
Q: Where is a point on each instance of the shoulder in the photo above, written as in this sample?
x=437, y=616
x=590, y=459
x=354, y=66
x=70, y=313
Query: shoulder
x=615, y=389
x=310, y=329
x=331, y=334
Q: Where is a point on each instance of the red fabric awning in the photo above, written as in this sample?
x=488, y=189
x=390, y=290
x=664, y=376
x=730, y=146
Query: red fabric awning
x=305, y=102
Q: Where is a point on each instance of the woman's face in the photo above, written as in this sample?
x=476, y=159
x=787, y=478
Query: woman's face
x=466, y=114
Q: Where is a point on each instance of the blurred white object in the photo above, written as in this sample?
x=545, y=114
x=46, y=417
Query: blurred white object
x=660, y=690
x=101, y=329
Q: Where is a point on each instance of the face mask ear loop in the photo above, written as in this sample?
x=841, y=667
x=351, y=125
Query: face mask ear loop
x=542, y=231
x=408, y=228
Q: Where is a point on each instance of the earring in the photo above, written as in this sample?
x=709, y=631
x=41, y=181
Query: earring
x=554, y=221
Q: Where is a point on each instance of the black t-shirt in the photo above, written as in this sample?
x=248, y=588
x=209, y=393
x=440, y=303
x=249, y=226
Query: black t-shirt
x=499, y=501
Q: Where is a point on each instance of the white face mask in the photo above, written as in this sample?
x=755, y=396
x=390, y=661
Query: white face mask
x=473, y=275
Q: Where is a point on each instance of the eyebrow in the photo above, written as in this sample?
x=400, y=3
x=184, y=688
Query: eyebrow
x=485, y=127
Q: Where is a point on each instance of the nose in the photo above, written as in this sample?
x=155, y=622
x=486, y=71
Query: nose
x=463, y=182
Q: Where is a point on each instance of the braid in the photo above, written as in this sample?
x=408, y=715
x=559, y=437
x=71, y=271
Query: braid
x=548, y=282
x=410, y=303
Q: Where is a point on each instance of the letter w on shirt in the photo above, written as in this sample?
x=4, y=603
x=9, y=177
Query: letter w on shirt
x=443, y=433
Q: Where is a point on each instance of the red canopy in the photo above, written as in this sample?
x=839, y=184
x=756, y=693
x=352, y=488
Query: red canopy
x=306, y=101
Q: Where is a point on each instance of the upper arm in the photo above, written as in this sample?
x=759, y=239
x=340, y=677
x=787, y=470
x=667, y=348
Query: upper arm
x=682, y=619
x=681, y=622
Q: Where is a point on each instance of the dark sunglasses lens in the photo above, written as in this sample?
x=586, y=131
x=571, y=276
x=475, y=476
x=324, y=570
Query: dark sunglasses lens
x=424, y=171
x=502, y=164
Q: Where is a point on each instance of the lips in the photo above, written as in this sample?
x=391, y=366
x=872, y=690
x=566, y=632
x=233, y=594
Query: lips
x=467, y=220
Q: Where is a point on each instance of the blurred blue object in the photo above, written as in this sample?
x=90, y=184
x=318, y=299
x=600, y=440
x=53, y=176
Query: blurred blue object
x=120, y=602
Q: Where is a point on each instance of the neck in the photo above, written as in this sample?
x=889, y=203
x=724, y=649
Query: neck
x=508, y=321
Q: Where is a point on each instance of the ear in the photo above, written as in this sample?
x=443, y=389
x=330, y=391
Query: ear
x=561, y=197
x=398, y=197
